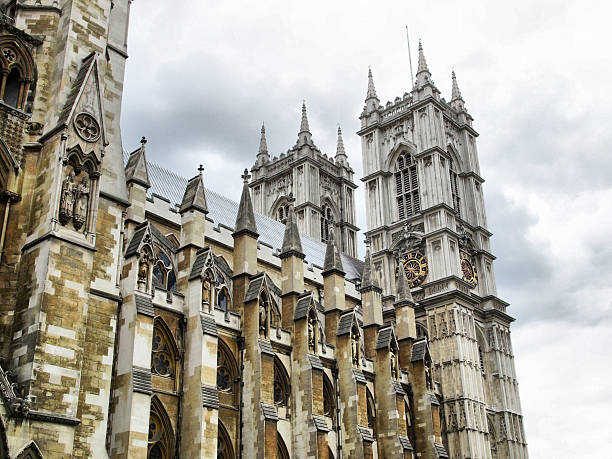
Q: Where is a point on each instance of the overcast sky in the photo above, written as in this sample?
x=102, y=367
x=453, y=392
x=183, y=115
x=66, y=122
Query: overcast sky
x=202, y=76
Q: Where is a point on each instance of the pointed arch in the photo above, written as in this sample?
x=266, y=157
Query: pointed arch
x=30, y=451
x=406, y=184
x=161, y=440
x=280, y=209
x=282, y=451
x=371, y=410
x=227, y=375
x=225, y=450
x=282, y=385
x=19, y=72
x=329, y=399
x=164, y=351
x=329, y=215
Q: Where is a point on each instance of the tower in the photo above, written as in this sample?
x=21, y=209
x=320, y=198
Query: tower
x=425, y=210
x=322, y=185
x=64, y=197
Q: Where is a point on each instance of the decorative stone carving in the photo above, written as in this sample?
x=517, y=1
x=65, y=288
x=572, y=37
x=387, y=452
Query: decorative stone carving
x=67, y=199
x=143, y=273
x=263, y=318
x=87, y=127
x=311, y=332
x=80, y=206
x=355, y=348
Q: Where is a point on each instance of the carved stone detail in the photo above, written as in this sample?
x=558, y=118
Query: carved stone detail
x=87, y=127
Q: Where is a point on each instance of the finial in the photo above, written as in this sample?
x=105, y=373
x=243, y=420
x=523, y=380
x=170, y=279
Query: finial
x=246, y=176
x=143, y=141
x=201, y=169
x=263, y=144
x=371, y=89
x=456, y=93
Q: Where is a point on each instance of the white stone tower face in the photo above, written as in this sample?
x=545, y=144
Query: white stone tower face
x=425, y=210
x=322, y=186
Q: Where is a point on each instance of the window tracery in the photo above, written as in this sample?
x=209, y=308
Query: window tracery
x=406, y=186
x=227, y=373
x=224, y=443
x=163, y=273
x=282, y=213
x=18, y=73
x=281, y=384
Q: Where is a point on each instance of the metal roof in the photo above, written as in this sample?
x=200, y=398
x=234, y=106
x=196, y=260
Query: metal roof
x=223, y=211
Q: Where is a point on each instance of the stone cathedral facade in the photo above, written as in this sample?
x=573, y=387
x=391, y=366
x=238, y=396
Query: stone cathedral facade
x=143, y=315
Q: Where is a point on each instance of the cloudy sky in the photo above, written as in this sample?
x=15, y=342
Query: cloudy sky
x=202, y=76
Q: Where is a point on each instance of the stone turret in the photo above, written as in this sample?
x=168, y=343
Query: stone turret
x=424, y=85
x=333, y=288
x=193, y=212
x=371, y=302
x=372, y=101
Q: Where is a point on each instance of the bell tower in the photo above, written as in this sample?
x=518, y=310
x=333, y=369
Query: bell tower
x=426, y=220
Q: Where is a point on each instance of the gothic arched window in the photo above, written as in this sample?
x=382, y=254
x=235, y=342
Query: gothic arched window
x=164, y=351
x=454, y=188
x=406, y=186
x=223, y=299
x=327, y=222
x=329, y=399
x=161, y=437
x=227, y=370
x=371, y=405
x=18, y=72
x=281, y=384
x=224, y=443
x=282, y=452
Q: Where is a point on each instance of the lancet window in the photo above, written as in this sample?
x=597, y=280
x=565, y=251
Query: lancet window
x=371, y=406
x=161, y=437
x=282, y=387
x=17, y=72
x=406, y=186
x=329, y=399
x=227, y=374
x=282, y=212
x=455, y=188
x=224, y=443
x=163, y=272
x=282, y=452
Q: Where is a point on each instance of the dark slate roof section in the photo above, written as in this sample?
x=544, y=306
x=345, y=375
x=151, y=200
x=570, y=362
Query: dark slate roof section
x=245, y=217
x=144, y=305
x=269, y=411
x=209, y=327
x=345, y=323
x=385, y=335
x=141, y=380
x=441, y=451
x=419, y=348
x=366, y=434
x=76, y=88
x=433, y=399
x=320, y=423
x=315, y=363
x=358, y=374
x=210, y=396
x=139, y=233
x=405, y=442
x=136, y=168
x=301, y=308
x=223, y=211
x=254, y=287
x=194, y=197
x=292, y=244
x=397, y=387
x=162, y=239
x=266, y=347
x=198, y=264
x=333, y=260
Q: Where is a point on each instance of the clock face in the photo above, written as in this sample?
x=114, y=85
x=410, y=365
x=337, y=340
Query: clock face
x=468, y=270
x=415, y=267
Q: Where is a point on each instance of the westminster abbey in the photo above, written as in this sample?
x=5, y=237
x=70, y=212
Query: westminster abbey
x=143, y=315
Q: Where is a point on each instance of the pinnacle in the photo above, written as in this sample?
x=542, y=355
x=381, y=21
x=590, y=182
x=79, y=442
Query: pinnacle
x=304, y=127
x=292, y=244
x=367, y=279
x=403, y=288
x=371, y=88
x=245, y=220
x=422, y=67
x=263, y=144
x=333, y=261
x=456, y=94
x=340, y=147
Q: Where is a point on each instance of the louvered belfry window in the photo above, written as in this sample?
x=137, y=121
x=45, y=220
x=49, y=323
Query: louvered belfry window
x=407, y=186
x=455, y=189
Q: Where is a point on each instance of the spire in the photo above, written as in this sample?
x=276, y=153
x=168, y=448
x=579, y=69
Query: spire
x=333, y=261
x=263, y=144
x=371, y=89
x=340, y=146
x=292, y=244
x=367, y=279
x=403, y=287
x=195, y=196
x=304, y=136
x=422, y=66
x=457, y=101
x=245, y=220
